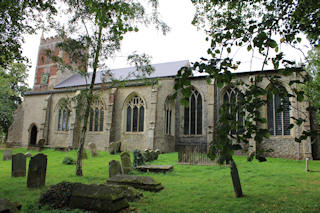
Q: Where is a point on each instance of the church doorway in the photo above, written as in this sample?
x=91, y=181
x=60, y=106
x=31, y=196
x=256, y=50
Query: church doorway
x=33, y=135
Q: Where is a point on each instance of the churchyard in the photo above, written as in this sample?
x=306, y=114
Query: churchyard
x=278, y=185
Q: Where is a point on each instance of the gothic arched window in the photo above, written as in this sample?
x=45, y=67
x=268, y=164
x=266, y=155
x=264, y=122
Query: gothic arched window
x=278, y=120
x=232, y=97
x=63, y=115
x=135, y=115
x=168, y=117
x=193, y=114
x=96, y=117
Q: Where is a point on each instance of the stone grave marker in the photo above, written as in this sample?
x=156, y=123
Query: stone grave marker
x=115, y=168
x=18, y=165
x=138, y=159
x=7, y=154
x=93, y=149
x=37, y=171
x=126, y=162
x=41, y=142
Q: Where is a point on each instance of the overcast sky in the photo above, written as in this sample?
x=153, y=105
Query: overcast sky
x=183, y=42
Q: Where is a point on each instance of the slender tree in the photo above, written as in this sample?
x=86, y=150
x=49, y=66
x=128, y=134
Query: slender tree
x=93, y=33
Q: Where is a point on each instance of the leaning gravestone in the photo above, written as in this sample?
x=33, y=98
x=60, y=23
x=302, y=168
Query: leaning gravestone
x=93, y=149
x=126, y=162
x=7, y=154
x=37, y=171
x=115, y=168
x=18, y=165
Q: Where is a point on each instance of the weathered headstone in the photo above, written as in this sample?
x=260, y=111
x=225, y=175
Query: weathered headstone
x=37, y=171
x=115, y=168
x=41, y=143
x=153, y=155
x=137, y=158
x=126, y=162
x=93, y=149
x=28, y=154
x=112, y=148
x=18, y=165
x=157, y=151
x=7, y=154
x=147, y=155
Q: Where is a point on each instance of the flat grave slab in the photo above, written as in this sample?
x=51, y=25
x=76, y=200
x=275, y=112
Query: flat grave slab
x=139, y=182
x=155, y=168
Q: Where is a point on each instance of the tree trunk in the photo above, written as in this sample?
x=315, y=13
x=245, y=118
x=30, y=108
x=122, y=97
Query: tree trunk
x=87, y=107
x=83, y=137
x=235, y=179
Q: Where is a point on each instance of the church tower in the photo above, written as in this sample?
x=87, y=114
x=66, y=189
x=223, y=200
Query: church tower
x=47, y=71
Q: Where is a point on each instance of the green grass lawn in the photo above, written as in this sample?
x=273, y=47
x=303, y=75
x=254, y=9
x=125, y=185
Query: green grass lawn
x=278, y=185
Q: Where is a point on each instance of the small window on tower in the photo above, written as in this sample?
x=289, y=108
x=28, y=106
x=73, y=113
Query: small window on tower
x=44, y=78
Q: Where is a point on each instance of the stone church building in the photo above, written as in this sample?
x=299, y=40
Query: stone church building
x=140, y=115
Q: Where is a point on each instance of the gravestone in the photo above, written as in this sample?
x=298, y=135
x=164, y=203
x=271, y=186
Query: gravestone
x=115, y=168
x=7, y=154
x=93, y=149
x=157, y=151
x=37, y=171
x=18, y=165
x=126, y=162
x=137, y=158
x=114, y=147
x=153, y=155
x=147, y=155
x=41, y=142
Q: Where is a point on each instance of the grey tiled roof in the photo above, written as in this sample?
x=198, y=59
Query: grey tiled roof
x=160, y=70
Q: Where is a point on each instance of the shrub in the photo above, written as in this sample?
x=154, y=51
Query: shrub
x=68, y=161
